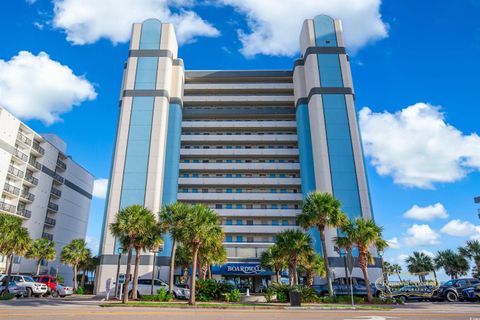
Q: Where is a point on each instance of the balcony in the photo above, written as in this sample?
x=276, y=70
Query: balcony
x=14, y=172
x=241, y=153
x=35, y=164
x=280, y=213
x=245, y=196
x=48, y=236
x=50, y=222
x=240, y=167
x=37, y=149
x=27, y=195
x=58, y=178
x=31, y=179
x=5, y=207
x=20, y=155
x=23, y=139
x=61, y=165
x=260, y=181
x=11, y=189
x=24, y=212
x=56, y=193
x=53, y=207
x=245, y=138
x=257, y=229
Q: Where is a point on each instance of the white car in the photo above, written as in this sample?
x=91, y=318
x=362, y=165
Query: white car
x=64, y=291
x=32, y=287
x=145, y=288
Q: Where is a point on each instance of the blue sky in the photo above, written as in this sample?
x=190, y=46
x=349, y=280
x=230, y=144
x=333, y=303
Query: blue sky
x=414, y=64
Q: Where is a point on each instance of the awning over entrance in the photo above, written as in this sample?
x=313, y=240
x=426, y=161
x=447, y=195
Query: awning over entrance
x=242, y=269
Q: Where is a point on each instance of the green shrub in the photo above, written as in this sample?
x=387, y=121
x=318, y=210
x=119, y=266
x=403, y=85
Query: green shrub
x=80, y=290
x=282, y=291
x=268, y=294
x=282, y=296
x=163, y=295
x=7, y=296
x=207, y=290
x=235, y=295
x=308, y=294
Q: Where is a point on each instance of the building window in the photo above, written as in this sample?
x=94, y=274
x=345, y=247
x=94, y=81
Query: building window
x=229, y=190
x=228, y=239
x=228, y=222
x=263, y=206
x=229, y=160
x=195, y=175
x=229, y=206
x=274, y=206
x=273, y=190
x=284, y=222
x=238, y=175
x=218, y=206
x=249, y=239
x=284, y=206
x=185, y=190
x=204, y=190
x=229, y=175
x=283, y=190
x=239, y=222
x=239, y=206
x=249, y=222
x=194, y=190
x=185, y=175
x=239, y=190
x=239, y=238
x=274, y=222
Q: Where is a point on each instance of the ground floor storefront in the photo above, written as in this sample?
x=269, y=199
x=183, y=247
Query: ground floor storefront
x=249, y=277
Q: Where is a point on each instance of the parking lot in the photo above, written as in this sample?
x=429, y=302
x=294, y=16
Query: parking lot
x=88, y=307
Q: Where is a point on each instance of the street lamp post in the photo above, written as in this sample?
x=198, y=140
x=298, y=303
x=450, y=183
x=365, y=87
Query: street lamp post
x=380, y=254
x=155, y=251
x=119, y=251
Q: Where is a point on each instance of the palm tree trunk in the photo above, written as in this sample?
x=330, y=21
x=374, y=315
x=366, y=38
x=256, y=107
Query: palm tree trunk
x=82, y=283
x=435, y=277
x=127, y=273
x=277, y=275
x=75, y=284
x=9, y=270
x=185, y=273
x=172, y=266
x=291, y=276
x=193, y=278
x=363, y=265
x=135, y=273
x=398, y=275
x=37, y=272
x=325, y=259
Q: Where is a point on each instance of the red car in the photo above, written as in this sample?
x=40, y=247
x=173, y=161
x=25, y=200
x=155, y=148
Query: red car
x=51, y=283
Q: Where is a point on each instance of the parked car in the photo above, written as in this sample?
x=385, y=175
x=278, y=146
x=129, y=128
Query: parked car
x=471, y=293
x=13, y=288
x=341, y=287
x=50, y=282
x=452, y=289
x=32, y=287
x=145, y=285
x=413, y=292
x=64, y=291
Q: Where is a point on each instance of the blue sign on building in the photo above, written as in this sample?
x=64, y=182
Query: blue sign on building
x=246, y=269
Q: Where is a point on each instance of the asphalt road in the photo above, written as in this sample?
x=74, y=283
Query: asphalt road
x=83, y=309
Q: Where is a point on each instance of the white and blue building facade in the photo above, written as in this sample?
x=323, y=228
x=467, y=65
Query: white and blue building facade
x=249, y=144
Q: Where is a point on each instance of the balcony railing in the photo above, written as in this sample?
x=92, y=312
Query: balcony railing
x=62, y=165
x=31, y=179
x=50, y=221
x=27, y=195
x=36, y=147
x=11, y=189
x=35, y=163
x=7, y=207
x=53, y=206
x=21, y=155
x=15, y=171
x=56, y=192
x=48, y=236
x=58, y=178
x=24, y=212
x=21, y=137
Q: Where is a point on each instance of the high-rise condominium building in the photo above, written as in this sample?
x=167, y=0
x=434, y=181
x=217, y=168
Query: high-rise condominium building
x=249, y=144
x=44, y=187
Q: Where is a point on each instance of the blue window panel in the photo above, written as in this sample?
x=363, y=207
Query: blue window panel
x=229, y=161
x=239, y=206
x=228, y=239
x=274, y=222
x=194, y=190
x=185, y=175
x=229, y=206
x=284, y=222
x=172, y=158
x=185, y=190
x=186, y=161
x=239, y=190
x=239, y=238
x=238, y=175
x=229, y=175
x=283, y=190
x=138, y=147
x=271, y=161
x=330, y=70
x=307, y=173
x=272, y=175
x=229, y=190
x=282, y=175
x=196, y=161
x=239, y=222
x=273, y=190
x=229, y=222
x=195, y=175
x=324, y=28
x=274, y=206
x=146, y=76
x=238, y=161
x=284, y=206
x=342, y=163
x=151, y=31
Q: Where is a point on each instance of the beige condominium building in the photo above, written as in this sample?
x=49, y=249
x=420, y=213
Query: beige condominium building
x=44, y=187
x=251, y=144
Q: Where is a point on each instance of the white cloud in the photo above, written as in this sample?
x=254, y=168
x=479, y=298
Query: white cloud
x=393, y=243
x=37, y=87
x=417, y=147
x=428, y=253
x=87, y=21
x=457, y=228
x=421, y=235
x=100, y=187
x=427, y=213
x=275, y=25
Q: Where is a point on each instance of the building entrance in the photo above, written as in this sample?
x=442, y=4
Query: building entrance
x=255, y=284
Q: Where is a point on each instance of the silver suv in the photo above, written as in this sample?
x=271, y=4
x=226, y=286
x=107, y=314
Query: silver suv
x=33, y=288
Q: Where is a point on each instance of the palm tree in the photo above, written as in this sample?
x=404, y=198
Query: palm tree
x=273, y=260
x=293, y=245
x=454, y=264
x=149, y=241
x=211, y=253
x=364, y=234
x=472, y=252
x=172, y=218
x=420, y=264
x=183, y=258
x=396, y=268
x=312, y=264
x=42, y=249
x=84, y=265
x=322, y=210
x=387, y=270
x=202, y=225
x=73, y=254
x=14, y=240
x=131, y=223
